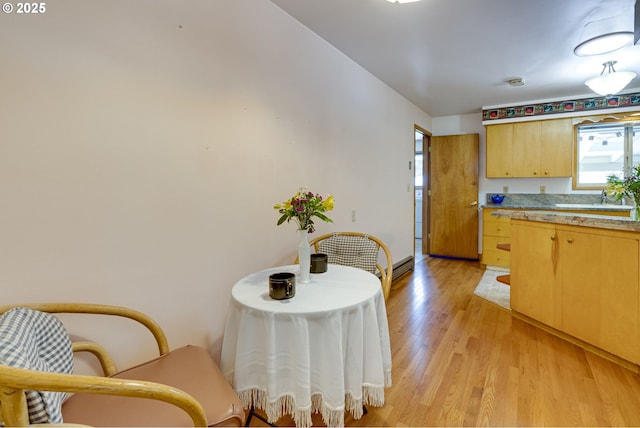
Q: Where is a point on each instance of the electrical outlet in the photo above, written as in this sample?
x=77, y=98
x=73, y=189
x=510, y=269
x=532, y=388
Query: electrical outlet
x=505, y=189
x=353, y=216
x=543, y=189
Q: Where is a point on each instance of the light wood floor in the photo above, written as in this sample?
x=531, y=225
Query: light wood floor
x=459, y=360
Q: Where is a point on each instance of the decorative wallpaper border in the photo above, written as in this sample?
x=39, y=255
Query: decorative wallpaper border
x=568, y=106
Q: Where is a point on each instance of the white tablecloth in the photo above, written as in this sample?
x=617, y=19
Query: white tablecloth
x=325, y=350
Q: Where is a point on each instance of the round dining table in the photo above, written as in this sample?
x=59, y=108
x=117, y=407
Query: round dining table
x=325, y=350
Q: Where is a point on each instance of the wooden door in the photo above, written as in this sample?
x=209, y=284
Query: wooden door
x=453, y=196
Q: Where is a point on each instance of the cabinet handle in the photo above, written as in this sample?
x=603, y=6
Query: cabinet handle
x=535, y=172
x=499, y=228
x=553, y=238
x=546, y=173
x=570, y=240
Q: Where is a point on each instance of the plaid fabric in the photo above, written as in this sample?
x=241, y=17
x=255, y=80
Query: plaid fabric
x=37, y=341
x=355, y=251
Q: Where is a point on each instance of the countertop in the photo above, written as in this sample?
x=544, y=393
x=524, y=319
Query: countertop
x=557, y=202
x=573, y=219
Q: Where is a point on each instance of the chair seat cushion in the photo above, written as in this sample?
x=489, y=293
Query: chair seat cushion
x=189, y=368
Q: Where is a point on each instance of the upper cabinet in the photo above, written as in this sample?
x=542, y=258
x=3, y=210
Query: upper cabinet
x=541, y=148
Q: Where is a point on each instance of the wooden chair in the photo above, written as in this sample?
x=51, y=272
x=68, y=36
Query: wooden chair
x=179, y=388
x=358, y=250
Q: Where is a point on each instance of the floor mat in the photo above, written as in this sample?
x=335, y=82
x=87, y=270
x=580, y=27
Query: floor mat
x=490, y=289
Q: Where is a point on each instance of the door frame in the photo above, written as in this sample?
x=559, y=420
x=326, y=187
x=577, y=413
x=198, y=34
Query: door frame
x=426, y=144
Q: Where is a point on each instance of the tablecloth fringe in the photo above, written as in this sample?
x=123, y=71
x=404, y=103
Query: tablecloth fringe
x=371, y=396
x=285, y=405
x=353, y=406
x=331, y=418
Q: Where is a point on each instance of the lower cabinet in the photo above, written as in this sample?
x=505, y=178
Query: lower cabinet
x=534, y=292
x=495, y=230
x=582, y=281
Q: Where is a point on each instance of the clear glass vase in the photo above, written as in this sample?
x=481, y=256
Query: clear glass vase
x=304, y=256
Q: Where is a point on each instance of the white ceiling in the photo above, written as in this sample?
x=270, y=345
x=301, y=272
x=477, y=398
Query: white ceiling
x=453, y=57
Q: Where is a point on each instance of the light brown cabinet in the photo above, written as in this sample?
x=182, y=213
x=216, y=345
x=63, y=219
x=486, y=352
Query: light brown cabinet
x=500, y=150
x=495, y=230
x=533, y=272
x=600, y=289
x=541, y=148
x=582, y=281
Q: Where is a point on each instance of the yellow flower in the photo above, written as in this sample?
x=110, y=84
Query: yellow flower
x=328, y=203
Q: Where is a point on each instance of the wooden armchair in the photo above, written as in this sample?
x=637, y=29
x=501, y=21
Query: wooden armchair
x=179, y=388
x=358, y=250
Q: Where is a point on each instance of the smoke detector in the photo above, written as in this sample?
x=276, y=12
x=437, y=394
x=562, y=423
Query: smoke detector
x=517, y=81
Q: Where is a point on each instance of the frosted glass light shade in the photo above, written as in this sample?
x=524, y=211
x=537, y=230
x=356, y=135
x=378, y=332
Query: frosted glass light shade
x=604, y=43
x=610, y=83
x=401, y=1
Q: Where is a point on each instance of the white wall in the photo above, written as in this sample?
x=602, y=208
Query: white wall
x=145, y=143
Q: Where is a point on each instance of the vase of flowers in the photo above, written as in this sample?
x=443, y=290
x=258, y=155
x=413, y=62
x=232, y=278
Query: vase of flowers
x=303, y=207
x=628, y=187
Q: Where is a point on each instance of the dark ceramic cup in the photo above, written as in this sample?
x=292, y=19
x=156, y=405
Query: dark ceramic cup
x=318, y=263
x=282, y=285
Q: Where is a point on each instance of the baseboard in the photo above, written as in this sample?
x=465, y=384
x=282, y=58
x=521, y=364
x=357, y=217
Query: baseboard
x=402, y=267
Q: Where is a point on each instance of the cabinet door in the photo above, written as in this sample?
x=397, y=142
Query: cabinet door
x=534, y=291
x=500, y=150
x=599, y=278
x=556, y=148
x=495, y=226
x=526, y=151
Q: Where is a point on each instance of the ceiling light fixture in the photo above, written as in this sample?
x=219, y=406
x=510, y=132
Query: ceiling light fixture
x=402, y=1
x=604, y=43
x=610, y=81
x=605, y=35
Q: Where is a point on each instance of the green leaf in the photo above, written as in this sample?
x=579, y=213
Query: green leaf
x=324, y=217
x=282, y=219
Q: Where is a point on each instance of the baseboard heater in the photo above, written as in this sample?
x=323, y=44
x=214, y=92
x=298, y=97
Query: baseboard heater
x=402, y=267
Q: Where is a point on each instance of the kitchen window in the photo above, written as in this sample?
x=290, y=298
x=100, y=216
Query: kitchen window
x=604, y=149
